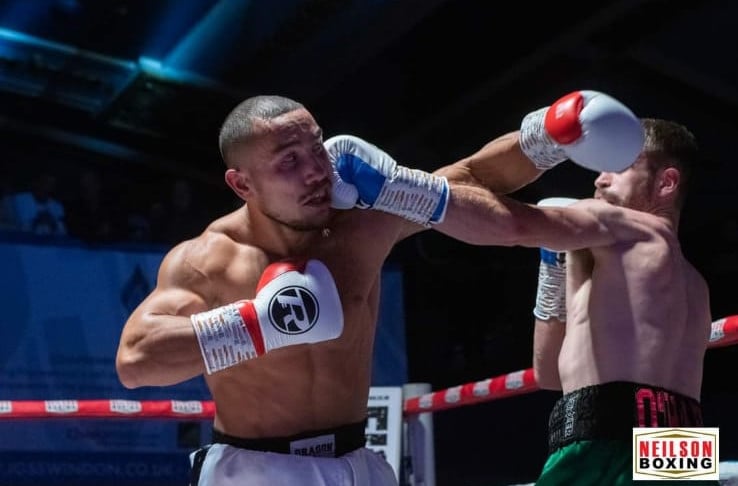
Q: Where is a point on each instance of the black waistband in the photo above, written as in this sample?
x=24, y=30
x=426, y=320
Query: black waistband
x=332, y=442
x=611, y=410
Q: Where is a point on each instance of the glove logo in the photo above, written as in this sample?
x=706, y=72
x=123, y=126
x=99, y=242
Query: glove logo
x=293, y=310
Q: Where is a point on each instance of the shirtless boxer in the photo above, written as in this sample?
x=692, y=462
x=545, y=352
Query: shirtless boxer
x=289, y=368
x=623, y=320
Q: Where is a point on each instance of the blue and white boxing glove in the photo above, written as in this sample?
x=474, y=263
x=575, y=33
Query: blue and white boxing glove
x=551, y=292
x=367, y=177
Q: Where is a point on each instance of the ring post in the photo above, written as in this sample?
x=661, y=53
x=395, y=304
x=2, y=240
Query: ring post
x=418, y=454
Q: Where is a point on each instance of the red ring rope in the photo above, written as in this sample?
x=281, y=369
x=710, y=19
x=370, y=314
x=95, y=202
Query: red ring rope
x=509, y=385
x=724, y=333
x=179, y=409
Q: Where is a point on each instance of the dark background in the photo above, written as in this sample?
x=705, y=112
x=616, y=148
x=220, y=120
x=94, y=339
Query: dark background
x=138, y=89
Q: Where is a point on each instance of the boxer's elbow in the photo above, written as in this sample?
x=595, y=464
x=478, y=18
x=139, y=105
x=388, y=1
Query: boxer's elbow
x=546, y=370
x=133, y=360
x=130, y=368
x=547, y=378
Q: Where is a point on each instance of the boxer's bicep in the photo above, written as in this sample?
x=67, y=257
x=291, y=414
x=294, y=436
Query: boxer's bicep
x=180, y=286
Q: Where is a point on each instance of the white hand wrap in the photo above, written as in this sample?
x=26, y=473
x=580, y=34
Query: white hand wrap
x=536, y=143
x=223, y=339
x=551, y=294
x=413, y=194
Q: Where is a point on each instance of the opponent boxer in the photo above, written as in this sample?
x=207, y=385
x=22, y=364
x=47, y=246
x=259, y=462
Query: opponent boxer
x=623, y=320
x=276, y=303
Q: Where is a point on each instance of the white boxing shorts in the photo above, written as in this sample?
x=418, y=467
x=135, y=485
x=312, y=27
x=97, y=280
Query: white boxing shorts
x=330, y=457
x=226, y=465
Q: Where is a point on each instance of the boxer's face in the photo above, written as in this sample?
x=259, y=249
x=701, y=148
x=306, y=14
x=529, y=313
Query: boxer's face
x=632, y=188
x=284, y=171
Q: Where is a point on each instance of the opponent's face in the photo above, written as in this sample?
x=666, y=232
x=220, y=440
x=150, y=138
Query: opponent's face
x=285, y=172
x=632, y=188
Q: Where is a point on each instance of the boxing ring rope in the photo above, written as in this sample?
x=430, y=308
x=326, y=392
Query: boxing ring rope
x=123, y=409
x=724, y=333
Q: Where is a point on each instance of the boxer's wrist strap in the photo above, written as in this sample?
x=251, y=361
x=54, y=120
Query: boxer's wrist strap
x=221, y=333
x=551, y=292
x=536, y=144
x=415, y=195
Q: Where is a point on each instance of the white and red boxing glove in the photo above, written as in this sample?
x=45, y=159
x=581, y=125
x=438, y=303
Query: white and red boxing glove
x=295, y=303
x=365, y=176
x=551, y=291
x=590, y=128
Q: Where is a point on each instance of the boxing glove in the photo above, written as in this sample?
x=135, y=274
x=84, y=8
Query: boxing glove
x=296, y=302
x=589, y=128
x=367, y=177
x=551, y=291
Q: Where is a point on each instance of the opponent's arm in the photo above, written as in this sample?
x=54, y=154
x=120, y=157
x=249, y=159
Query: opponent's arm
x=172, y=336
x=590, y=128
x=550, y=309
x=500, y=166
x=548, y=337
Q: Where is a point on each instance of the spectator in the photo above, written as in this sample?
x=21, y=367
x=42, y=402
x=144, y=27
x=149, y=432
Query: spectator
x=38, y=211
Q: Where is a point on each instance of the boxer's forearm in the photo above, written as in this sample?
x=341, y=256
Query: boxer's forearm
x=548, y=336
x=500, y=166
x=167, y=354
x=477, y=216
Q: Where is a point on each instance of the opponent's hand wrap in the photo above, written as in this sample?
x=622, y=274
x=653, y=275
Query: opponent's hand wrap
x=367, y=177
x=295, y=303
x=537, y=144
x=551, y=292
x=590, y=128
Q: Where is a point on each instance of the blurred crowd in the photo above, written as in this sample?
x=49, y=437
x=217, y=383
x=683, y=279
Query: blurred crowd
x=93, y=208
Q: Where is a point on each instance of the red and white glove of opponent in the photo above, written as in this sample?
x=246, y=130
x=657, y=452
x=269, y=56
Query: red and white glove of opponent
x=296, y=302
x=589, y=128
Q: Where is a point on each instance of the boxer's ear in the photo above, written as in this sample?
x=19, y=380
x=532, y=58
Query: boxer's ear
x=668, y=182
x=239, y=181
